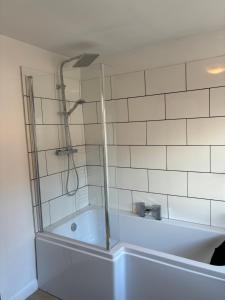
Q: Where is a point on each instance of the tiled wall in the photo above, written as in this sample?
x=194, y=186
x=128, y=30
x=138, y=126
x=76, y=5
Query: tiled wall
x=166, y=140
x=50, y=136
x=166, y=137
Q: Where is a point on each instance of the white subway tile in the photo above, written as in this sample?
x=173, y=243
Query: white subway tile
x=151, y=199
x=125, y=200
x=90, y=112
x=95, y=195
x=206, y=131
x=82, y=174
x=218, y=159
x=189, y=209
x=91, y=89
x=198, y=76
x=77, y=134
x=47, y=137
x=168, y=132
x=61, y=207
x=165, y=79
x=77, y=115
x=72, y=90
x=93, y=155
x=168, y=182
x=119, y=156
x=112, y=176
x=150, y=157
x=93, y=134
x=52, y=112
x=45, y=208
x=128, y=85
x=133, y=179
x=120, y=199
x=218, y=213
x=112, y=199
x=43, y=84
x=116, y=111
x=95, y=175
x=188, y=158
x=42, y=163
x=217, y=101
x=110, y=133
x=187, y=104
x=38, y=111
x=51, y=187
x=147, y=108
x=55, y=163
x=209, y=186
x=82, y=198
x=80, y=156
x=130, y=133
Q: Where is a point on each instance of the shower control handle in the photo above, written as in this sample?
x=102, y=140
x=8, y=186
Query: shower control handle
x=154, y=210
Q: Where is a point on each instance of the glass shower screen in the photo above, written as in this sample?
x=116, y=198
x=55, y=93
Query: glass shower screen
x=71, y=186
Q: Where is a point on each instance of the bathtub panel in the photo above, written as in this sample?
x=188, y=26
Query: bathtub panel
x=69, y=274
x=148, y=279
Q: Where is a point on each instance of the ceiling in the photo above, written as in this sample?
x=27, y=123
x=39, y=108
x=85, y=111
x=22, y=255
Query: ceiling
x=107, y=26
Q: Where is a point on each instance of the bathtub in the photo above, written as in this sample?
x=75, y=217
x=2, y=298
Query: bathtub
x=150, y=259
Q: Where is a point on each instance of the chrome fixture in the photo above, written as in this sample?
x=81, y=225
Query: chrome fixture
x=61, y=152
x=73, y=227
x=78, y=102
x=153, y=210
x=82, y=60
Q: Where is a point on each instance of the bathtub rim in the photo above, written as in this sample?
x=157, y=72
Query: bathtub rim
x=174, y=222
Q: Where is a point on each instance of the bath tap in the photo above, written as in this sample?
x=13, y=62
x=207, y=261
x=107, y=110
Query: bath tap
x=153, y=210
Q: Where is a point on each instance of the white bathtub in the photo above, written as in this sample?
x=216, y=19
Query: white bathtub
x=152, y=260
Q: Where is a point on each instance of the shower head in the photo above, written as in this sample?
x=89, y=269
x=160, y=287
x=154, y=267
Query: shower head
x=78, y=102
x=84, y=60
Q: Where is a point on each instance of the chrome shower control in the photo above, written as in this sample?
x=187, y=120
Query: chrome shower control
x=60, y=152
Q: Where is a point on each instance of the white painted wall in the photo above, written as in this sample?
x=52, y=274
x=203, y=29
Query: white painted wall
x=170, y=52
x=17, y=256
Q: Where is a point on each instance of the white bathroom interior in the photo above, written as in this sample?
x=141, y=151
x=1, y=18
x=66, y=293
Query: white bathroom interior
x=112, y=157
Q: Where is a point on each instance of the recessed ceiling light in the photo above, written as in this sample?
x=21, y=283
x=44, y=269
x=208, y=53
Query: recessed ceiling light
x=216, y=70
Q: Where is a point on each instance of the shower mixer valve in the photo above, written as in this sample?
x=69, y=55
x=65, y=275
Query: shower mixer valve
x=61, y=152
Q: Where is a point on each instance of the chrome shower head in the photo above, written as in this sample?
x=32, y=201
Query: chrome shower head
x=84, y=60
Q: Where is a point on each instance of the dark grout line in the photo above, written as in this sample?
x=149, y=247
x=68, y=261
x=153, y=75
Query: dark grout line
x=158, y=193
x=128, y=122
